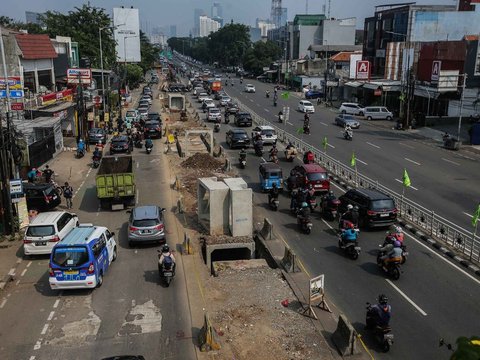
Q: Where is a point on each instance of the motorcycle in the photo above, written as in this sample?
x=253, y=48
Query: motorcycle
x=306, y=130
x=274, y=158
x=258, y=149
x=305, y=224
x=95, y=162
x=243, y=161
x=312, y=202
x=309, y=158
x=216, y=127
x=274, y=203
x=148, y=149
x=267, y=94
x=275, y=103
x=138, y=143
x=165, y=270
x=383, y=335
x=348, y=135
x=80, y=153
x=389, y=239
x=330, y=209
x=290, y=154
x=351, y=248
x=227, y=119
x=392, y=268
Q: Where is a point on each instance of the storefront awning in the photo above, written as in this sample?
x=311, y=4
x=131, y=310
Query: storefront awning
x=354, y=84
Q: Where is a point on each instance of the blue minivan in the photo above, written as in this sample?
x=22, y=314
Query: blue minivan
x=82, y=258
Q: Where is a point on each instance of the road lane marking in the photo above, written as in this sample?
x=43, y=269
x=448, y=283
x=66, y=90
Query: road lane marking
x=136, y=198
x=326, y=223
x=23, y=272
x=468, y=214
x=375, y=146
x=360, y=161
x=251, y=100
x=289, y=123
x=266, y=110
x=55, y=305
x=138, y=164
x=416, y=163
x=11, y=272
x=44, y=330
x=28, y=265
x=38, y=345
x=401, y=182
x=407, y=298
x=4, y=301
x=451, y=162
x=50, y=316
x=333, y=147
x=409, y=146
x=321, y=122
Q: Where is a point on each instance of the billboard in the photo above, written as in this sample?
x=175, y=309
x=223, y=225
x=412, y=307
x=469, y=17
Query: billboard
x=363, y=70
x=127, y=34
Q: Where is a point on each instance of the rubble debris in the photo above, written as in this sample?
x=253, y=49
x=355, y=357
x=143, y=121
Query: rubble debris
x=203, y=161
x=225, y=239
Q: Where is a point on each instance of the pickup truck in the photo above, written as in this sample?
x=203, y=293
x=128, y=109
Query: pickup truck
x=116, y=182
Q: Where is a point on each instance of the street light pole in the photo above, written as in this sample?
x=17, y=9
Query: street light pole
x=101, y=67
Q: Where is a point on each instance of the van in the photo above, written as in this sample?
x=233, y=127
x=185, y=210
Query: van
x=46, y=230
x=376, y=113
x=82, y=258
x=303, y=175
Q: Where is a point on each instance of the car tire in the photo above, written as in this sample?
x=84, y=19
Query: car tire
x=114, y=257
x=369, y=118
x=389, y=118
x=100, y=279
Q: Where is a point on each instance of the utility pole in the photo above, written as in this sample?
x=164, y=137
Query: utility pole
x=461, y=107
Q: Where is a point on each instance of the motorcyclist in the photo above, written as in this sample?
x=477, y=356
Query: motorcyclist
x=395, y=234
x=327, y=199
x=227, y=117
x=241, y=80
x=148, y=143
x=275, y=98
x=309, y=157
x=166, y=257
x=392, y=253
x=349, y=234
x=306, y=119
x=346, y=216
x=267, y=93
x=379, y=314
x=273, y=193
x=242, y=154
x=280, y=117
x=97, y=154
x=304, y=213
x=48, y=173
x=273, y=152
x=348, y=131
x=32, y=175
x=258, y=145
x=80, y=147
x=355, y=216
x=301, y=197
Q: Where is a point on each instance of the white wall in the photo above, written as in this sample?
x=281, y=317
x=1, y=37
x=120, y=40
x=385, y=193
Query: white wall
x=339, y=32
x=127, y=34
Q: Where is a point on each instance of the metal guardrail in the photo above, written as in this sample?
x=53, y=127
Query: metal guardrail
x=434, y=225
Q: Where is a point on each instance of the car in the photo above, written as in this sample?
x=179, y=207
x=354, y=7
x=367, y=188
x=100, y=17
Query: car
x=351, y=108
x=143, y=112
x=154, y=116
x=224, y=100
x=237, y=138
x=132, y=116
x=46, y=229
x=268, y=134
x=375, y=208
x=197, y=90
x=146, y=224
x=41, y=197
x=148, y=92
x=214, y=114
x=305, y=107
x=305, y=174
x=243, y=119
x=344, y=119
x=153, y=129
x=231, y=108
x=146, y=89
x=207, y=104
x=96, y=135
x=249, y=88
x=219, y=94
x=376, y=113
x=202, y=96
x=314, y=94
x=120, y=144
x=147, y=99
x=143, y=103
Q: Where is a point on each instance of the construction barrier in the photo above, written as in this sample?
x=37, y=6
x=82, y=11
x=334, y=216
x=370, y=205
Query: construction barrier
x=207, y=338
x=289, y=260
x=187, y=245
x=345, y=337
x=267, y=229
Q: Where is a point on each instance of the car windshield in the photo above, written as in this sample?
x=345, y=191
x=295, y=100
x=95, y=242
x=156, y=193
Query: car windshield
x=145, y=223
x=273, y=174
x=118, y=141
x=214, y=111
x=348, y=117
x=306, y=103
x=384, y=204
x=41, y=230
x=130, y=113
x=70, y=256
x=317, y=176
x=240, y=136
x=49, y=191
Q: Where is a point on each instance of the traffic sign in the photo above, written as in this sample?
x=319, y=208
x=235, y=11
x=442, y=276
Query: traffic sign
x=16, y=106
x=75, y=76
x=16, y=94
x=436, y=66
x=363, y=70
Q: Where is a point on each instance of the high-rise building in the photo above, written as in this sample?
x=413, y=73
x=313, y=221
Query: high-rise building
x=207, y=26
x=283, y=16
x=264, y=26
x=196, y=21
x=217, y=10
x=218, y=19
x=173, y=30
x=33, y=18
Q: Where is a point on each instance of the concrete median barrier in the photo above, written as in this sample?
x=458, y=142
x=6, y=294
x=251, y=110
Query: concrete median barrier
x=289, y=261
x=345, y=337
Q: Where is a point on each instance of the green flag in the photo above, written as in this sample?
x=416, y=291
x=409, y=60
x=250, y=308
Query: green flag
x=300, y=130
x=285, y=95
x=406, y=179
x=476, y=216
x=353, y=161
x=325, y=143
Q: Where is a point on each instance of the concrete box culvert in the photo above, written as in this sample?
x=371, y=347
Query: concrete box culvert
x=230, y=251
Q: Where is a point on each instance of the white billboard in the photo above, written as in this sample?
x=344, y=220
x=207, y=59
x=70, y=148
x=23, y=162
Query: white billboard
x=127, y=34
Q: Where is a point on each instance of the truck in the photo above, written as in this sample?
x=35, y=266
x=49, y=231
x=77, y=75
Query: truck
x=115, y=182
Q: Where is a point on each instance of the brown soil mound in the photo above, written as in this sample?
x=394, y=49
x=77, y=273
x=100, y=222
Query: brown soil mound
x=203, y=162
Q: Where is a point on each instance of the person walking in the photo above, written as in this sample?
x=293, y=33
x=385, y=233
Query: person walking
x=68, y=194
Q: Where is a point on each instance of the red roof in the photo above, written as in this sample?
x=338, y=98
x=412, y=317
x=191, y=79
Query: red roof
x=35, y=46
x=470, y=37
x=343, y=56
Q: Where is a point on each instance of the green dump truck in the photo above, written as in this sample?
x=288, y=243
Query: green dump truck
x=116, y=182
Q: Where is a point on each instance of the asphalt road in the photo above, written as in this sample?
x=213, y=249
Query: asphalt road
x=132, y=313
x=433, y=298
x=442, y=181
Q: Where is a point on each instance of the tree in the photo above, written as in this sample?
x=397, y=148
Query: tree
x=134, y=74
x=261, y=55
x=149, y=53
x=229, y=45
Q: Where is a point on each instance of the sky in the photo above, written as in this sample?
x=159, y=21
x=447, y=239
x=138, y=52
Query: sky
x=163, y=13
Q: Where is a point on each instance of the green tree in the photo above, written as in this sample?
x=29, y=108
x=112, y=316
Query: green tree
x=261, y=55
x=18, y=25
x=149, y=53
x=134, y=75
x=229, y=45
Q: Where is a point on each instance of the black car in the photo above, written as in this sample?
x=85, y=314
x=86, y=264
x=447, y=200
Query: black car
x=120, y=144
x=41, y=197
x=153, y=129
x=314, y=94
x=231, y=108
x=155, y=116
x=243, y=119
x=237, y=138
x=375, y=208
x=96, y=134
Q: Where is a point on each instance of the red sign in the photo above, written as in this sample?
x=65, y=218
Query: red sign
x=54, y=97
x=363, y=70
x=16, y=106
x=97, y=99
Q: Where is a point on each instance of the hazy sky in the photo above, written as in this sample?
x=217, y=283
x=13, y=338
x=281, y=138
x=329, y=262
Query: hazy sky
x=163, y=13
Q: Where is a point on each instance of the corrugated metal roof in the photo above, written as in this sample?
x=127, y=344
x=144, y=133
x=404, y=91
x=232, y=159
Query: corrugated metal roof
x=35, y=46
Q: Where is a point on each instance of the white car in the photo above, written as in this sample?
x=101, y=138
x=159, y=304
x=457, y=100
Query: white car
x=305, y=107
x=202, y=97
x=214, y=114
x=351, y=108
x=208, y=104
x=268, y=134
x=147, y=99
x=249, y=88
x=224, y=100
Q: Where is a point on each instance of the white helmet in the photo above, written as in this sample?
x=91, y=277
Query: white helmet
x=398, y=229
x=349, y=207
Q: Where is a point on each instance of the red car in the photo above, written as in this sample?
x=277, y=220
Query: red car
x=303, y=175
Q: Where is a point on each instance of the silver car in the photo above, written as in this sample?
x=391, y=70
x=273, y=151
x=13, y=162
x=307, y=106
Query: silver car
x=146, y=224
x=344, y=119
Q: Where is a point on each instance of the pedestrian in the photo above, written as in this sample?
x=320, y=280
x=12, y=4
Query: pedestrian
x=68, y=194
x=48, y=173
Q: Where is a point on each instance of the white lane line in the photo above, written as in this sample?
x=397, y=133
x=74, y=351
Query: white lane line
x=407, y=298
x=23, y=272
x=360, y=161
x=468, y=214
x=28, y=265
x=251, y=100
x=289, y=123
x=321, y=122
x=136, y=198
x=451, y=162
x=138, y=164
x=333, y=147
x=266, y=110
x=401, y=182
x=4, y=301
x=50, y=316
x=32, y=358
x=375, y=146
x=44, y=330
x=326, y=223
x=55, y=305
x=408, y=146
x=416, y=163
x=11, y=272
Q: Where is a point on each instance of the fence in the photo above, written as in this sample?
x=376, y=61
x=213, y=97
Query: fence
x=438, y=227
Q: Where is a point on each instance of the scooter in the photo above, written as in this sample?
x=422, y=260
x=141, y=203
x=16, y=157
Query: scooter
x=227, y=119
x=267, y=94
x=80, y=153
x=304, y=224
x=274, y=158
x=392, y=268
x=290, y=154
x=382, y=334
x=330, y=209
x=389, y=239
x=258, y=149
x=312, y=202
x=138, y=143
x=348, y=135
x=166, y=270
x=274, y=203
x=351, y=248
x=243, y=161
x=216, y=127
x=148, y=149
x=95, y=162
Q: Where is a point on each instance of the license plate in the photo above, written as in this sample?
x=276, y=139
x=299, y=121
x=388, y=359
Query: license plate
x=167, y=273
x=146, y=231
x=40, y=243
x=384, y=215
x=240, y=141
x=73, y=272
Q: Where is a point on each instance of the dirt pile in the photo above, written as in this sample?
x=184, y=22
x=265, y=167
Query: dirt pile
x=203, y=162
x=225, y=239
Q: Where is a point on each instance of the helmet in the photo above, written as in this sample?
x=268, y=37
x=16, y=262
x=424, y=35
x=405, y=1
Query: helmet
x=349, y=207
x=398, y=229
x=383, y=299
x=304, y=205
x=165, y=248
x=397, y=244
x=350, y=226
x=330, y=193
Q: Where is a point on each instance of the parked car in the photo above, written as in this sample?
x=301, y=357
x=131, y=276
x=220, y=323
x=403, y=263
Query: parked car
x=376, y=209
x=231, y=108
x=97, y=134
x=243, y=119
x=214, y=114
x=268, y=134
x=237, y=138
x=249, y=88
x=344, y=119
x=376, y=113
x=305, y=107
x=46, y=229
x=302, y=175
x=146, y=224
x=351, y=108
x=41, y=197
x=314, y=94
x=120, y=144
x=224, y=100
x=153, y=129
